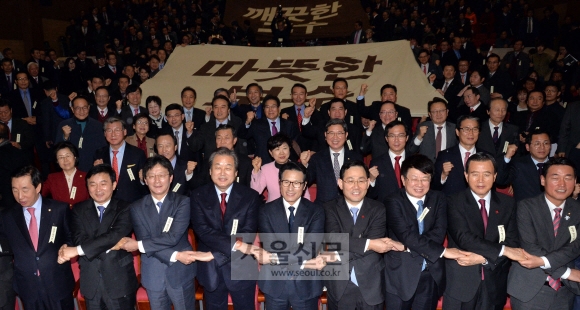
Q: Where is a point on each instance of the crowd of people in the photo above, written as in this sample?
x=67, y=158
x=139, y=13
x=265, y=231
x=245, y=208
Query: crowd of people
x=475, y=201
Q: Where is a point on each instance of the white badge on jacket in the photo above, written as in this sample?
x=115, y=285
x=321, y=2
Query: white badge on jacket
x=501, y=230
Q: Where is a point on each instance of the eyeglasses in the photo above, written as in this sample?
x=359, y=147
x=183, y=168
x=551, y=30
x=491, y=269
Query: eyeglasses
x=399, y=136
x=116, y=130
x=332, y=133
x=414, y=180
x=295, y=184
x=22, y=79
x=142, y=123
x=539, y=144
x=387, y=112
x=173, y=115
x=352, y=182
x=469, y=130
x=78, y=109
x=155, y=176
x=438, y=111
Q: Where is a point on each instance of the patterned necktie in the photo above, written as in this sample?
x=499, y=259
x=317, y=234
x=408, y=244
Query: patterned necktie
x=188, y=116
x=178, y=142
x=398, y=170
x=274, y=129
x=555, y=283
x=291, y=219
x=495, y=134
x=114, y=70
x=115, y=164
x=159, y=204
x=425, y=69
x=33, y=228
x=103, y=113
x=438, y=140
x=299, y=116
x=463, y=78
x=445, y=87
x=421, y=225
x=352, y=273
x=466, y=158
x=336, y=166
x=483, y=212
x=223, y=204
x=101, y=211
x=136, y=110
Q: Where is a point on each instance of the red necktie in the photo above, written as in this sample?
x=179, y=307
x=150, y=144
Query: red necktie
x=398, y=170
x=33, y=228
x=114, y=70
x=463, y=78
x=299, y=119
x=438, y=140
x=555, y=283
x=136, y=111
x=274, y=129
x=425, y=69
x=466, y=158
x=471, y=110
x=115, y=164
x=103, y=113
x=223, y=205
x=483, y=211
x=445, y=87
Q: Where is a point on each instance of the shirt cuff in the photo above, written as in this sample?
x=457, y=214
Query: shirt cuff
x=368, y=133
x=367, y=245
x=443, y=253
x=566, y=274
x=360, y=97
x=373, y=183
x=234, y=104
x=305, y=121
x=501, y=252
x=247, y=126
x=188, y=176
x=546, y=263
x=507, y=160
x=189, y=134
x=140, y=245
x=417, y=141
x=443, y=181
x=79, y=250
x=173, y=258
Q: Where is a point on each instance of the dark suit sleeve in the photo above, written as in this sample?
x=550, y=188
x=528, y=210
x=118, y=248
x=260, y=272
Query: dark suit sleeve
x=95, y=246
x=424, y=245
x=171, y=238
x=26, y=136
x=436, y=182
x=195, y=142
x=66, y=224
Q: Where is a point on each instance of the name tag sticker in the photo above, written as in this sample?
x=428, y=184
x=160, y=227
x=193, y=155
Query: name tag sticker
x=423, y=214
x=428, y=74
x=484, y=62
x=34, y=106
x=131, y=176
x=399, y=119
x=176, y=187
x=351, y=119
x=73, y=192
x=234, y=227
x=131, y=165
x=81, y=143
x=17, y=138
x=168, y=224
x=238, y=179
x=505, y=146
x=301, y=235
x=519, y=63
x=349, y=144
x=491, y=90
x=501, y=230
x=573, y=233
x=52, y=234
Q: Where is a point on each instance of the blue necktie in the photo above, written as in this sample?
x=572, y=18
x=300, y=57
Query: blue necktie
x=291, y=218
x=421, y=226
x=159, y=204
x=352, y=273
x=101, y=211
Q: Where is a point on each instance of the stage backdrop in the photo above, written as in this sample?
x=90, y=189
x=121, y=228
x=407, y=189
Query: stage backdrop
x=310, y=18
x=208, y=67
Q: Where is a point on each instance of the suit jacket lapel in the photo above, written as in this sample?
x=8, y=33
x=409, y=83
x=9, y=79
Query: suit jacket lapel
x=18, y=215
x=492, y=233
x=474, y=212
x=231, y=207
x=280, y=219
x=345, y=215
x=362, y=219
x=108, y=217
x=45, y=223
x=301, y=217
x=546, y=219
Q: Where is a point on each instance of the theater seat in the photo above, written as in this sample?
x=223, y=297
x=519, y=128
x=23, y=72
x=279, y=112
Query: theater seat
x=312, y=191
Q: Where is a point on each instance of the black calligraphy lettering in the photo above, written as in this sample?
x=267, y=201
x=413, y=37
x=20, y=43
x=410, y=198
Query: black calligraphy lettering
x=247, y=67
x=204, y=71
x=291, y=77
x=332, y=77
x=282, y=63
x=223, y=71
x=304, y=63
x=370, y=63
x=341, y=65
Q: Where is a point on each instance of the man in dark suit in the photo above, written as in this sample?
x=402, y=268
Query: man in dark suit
x=417, y=223
x=516, y=62
x=98, y=226
x=284, y=219
x=104, y=106
x=54, y=109
x=261, y=130
x=386, y=169
x=315, y=125
x=254, y=96
x=497, y=81
x=221, y=210
x=11, y=159
x=462, y=74
x=7, y=296
x=373, y=141
x=20, y=133
x=111, y=71
x=547, y=226
x=182, y=131
x=8, y=79
x=569, y=136
x=450, y=165
x=473, y=105
x=204, y=139
x=296, y=113
x=429, y=67
x=85, y=66
x=183, y=171
x=364, y=220
x=449, y=86
x=126, y=160
x=161, y=221
x=523, y=173
x=36, y=80
x=24, y=99
x=83, y=132
x=435, y=135
x=330, y=158
x=357, y=36
x=480, y=278
x=354, y=110
x=495, y=132
x=192, y=114
x=388, y=93
x=36, y=228
x=132, y=108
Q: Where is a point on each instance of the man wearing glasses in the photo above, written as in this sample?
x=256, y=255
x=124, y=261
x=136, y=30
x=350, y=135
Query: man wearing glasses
x=84, y=132
x=386, y=169
x=473, y=105
x=450, y=163
x=435, y=135
x=373, y=141
x=324, y=166
x=126, y=160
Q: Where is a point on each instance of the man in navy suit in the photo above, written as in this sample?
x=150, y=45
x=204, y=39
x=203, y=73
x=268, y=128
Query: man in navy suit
x=324, y=166
x=386, y=169
x=429, y=67
x=295, y=114
x=220, y=211
x=260, y=130
x=254, y=95
x=450, y=163
x=160, y=221
x=98, y=226
x=495, y=132
x=126, y=160
x=388, y=93
x=523, y=173
x=166, y=145
x=36, y=228
x=281, y=220
x=354, y=109
x=181, y=130
x=417, y=224
x=132, y=108
x=473, y=105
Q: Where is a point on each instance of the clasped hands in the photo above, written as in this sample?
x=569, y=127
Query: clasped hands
x=264, y=257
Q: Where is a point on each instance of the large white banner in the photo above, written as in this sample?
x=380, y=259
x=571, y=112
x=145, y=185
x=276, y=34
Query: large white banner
x=208, y=67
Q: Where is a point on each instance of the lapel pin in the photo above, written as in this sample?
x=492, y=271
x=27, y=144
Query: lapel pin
x=567, y=217
x=80, y=175
x=49, y=210
x=496, y=212
x=362, y=216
